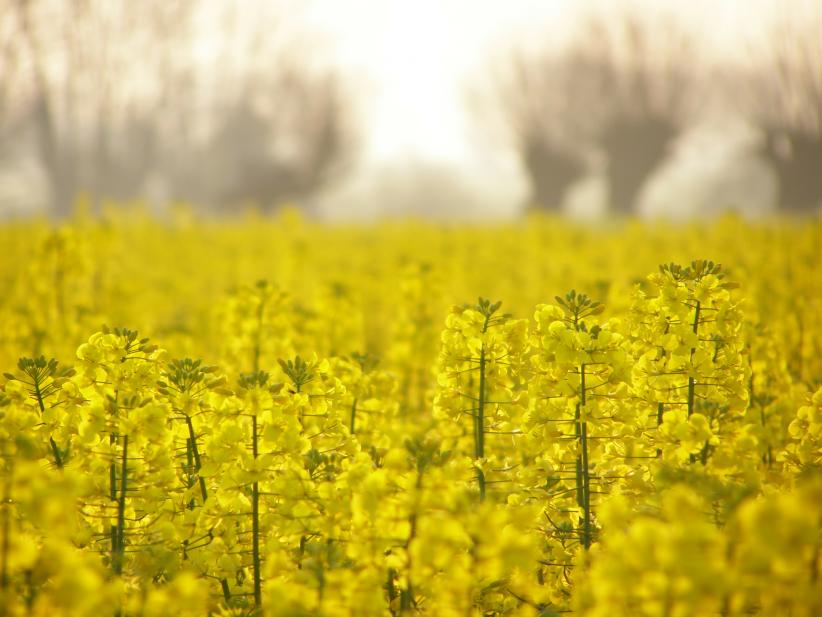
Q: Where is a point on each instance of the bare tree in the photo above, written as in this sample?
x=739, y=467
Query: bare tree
x=90, y=95
x=623, y=88
x=637, y=73
x=11, y=60
x=528, y=106
x=267, y=126
x=117, y=98
x=286, y=137
x=786, y=102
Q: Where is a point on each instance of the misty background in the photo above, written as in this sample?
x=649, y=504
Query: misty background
x=454, y=109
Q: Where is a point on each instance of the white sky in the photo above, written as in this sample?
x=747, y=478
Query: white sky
x=413, y=61
x=415, y=57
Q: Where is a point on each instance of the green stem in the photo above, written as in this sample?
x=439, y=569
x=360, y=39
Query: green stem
x=659, y=412
x=189, y=469
x=406, y=599
x=6, y=531
x=112, y=482
x=691, y=380
x=255, y=521
x=586, y=476
x=195, y=451
x=112, y=473
x=586, y=481
x=580, y=489
x=391, y=589
x=353, y=415
x=301, y=417
x=479, y=436
x=58, y=459
x=120, y=548
x=31, y=591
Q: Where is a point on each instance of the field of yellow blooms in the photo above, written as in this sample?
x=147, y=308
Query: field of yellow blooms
x=284, y=418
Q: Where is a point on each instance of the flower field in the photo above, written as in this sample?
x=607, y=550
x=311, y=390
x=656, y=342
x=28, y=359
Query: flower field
x=285, y=418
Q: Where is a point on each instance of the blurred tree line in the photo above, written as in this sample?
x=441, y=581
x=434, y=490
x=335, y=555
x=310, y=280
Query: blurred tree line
x=166, y=99
x=628, y=86
x=221, y=103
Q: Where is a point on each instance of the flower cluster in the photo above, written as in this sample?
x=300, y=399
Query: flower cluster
x=342, y=443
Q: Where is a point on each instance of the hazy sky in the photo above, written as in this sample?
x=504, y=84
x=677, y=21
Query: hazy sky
x=415, y=57
x=412, y=62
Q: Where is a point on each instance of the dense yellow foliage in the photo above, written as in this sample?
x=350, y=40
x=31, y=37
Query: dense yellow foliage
x=324, y=420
